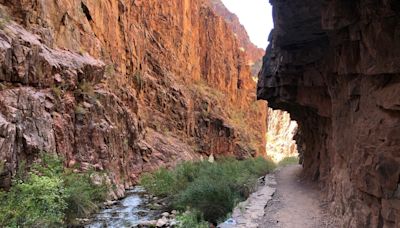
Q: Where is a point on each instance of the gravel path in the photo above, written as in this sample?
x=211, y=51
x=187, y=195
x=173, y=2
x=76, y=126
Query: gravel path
x=283, y=202
x=296, y=204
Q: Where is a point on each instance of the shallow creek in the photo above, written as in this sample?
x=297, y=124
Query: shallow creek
x=136, y=208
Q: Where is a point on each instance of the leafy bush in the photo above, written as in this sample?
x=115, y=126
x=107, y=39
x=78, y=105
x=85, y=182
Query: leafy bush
x=289, y=161
x=213, y=189
x=37, y=202
x=48, y=195
x=83, y=196
x=213, y=198
x=191, y=220
x=159, y=183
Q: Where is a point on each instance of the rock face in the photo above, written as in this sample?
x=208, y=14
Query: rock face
x=254, y=53
x=334, y=65
x=281, y=131
x=123, y=86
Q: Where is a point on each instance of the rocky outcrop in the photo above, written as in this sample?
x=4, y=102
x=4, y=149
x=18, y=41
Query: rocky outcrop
x=123, y=86
x=281, y=131
x=254, y=53
x=334, y=66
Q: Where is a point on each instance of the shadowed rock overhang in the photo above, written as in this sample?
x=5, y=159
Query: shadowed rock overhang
x=334, y=65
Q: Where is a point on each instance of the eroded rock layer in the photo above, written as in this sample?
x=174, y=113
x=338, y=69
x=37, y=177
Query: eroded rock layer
x=254, y=53
x=123, y=86
x=334, y=65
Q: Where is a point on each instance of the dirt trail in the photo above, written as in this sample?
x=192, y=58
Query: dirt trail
x=296, y=204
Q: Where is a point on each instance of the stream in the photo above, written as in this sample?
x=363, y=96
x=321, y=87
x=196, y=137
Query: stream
x=133, y=210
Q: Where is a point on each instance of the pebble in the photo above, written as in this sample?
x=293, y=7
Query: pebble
x=142, y=212
x=82, y=220
x=150, y=223
x=173, y=223
x=162, y=222
x=110, y=203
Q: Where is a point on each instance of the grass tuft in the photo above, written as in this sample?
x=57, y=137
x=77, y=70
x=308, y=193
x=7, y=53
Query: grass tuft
x=4, y=19
x=191, y=220
x=80, y=109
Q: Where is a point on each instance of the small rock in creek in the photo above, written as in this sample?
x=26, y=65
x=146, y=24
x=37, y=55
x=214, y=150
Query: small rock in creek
x=110, y=203
x=150, y=223
x=142, y=213
x=173, y=212
x=165, y=214
x=173, y=223
x=82, y=220
x=162, y=222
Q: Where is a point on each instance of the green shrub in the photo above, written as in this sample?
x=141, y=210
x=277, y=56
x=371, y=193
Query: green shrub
x=191, y=219
x=259, y=166
x=83, y=196
x=212, y=189
x=80, y=110
x=214, y=198
x=289, y=161
x=86, y=88
x=187, y=172
x=48, y=196
x=57, y=91
x=38, y=201
x=160, y=183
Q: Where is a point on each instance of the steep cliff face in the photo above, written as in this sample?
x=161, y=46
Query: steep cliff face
x=123, y=86
x=334, y=66
x=254, y=53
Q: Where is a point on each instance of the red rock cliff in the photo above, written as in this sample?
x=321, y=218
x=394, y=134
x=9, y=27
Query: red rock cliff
x=334, y=65
x=254, y=53
x=123, y=86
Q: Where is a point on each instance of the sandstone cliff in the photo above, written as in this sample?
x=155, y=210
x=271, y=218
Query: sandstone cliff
x=334, y=65
x=123, y=86
x=254, y=53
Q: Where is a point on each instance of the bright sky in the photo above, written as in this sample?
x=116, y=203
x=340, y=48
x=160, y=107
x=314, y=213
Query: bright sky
x=256, y=16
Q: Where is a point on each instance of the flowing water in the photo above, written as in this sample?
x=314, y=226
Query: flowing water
x=134, y=209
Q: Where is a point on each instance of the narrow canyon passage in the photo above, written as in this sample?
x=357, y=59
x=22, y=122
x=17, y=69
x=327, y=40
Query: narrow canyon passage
x=296, y=203
x=104, y=94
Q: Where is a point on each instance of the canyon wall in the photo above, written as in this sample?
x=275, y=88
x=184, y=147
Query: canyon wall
x=123, y=86
x=334, y=66
x=254, y=53
x=281, y=132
